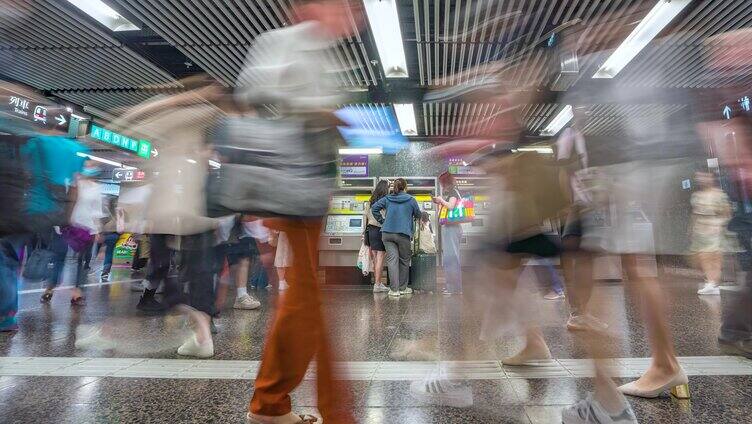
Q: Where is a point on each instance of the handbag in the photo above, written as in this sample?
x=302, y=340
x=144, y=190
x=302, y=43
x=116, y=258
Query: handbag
x=364, y=260
x=40, y=264
x=272, y=167
x=78, y=238
x=462, y=213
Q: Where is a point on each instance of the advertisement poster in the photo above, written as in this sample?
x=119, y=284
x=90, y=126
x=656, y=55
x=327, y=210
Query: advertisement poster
x=458, y=166
x=125, y=248
x=354, y=166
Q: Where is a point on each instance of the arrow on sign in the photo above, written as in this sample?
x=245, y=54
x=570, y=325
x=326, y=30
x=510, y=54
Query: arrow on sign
x=118, y=174
x=727, y=112
x=154, y=152
x=60, y=120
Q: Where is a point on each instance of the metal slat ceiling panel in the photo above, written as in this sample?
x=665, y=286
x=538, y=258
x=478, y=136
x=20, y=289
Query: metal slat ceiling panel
x=678, y=60
x=217, y=35
x=66, y=51
x=110, y=101
x=607, y=119
x=455, y=40
x=454, y=119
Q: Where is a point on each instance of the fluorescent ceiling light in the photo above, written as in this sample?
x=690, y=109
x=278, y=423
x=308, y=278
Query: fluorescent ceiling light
x=539, y=149
x=363, y=151
x=406, y=118
x=105, y=15
x=103, y=160
x=385, y=26
x=659, y=16
x=559, y=121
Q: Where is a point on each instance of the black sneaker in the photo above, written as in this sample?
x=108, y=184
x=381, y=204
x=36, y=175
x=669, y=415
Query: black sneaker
x=150, y=305
x=105, y=277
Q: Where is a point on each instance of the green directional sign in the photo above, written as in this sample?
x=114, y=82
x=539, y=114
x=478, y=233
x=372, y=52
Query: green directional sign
x=139, y=147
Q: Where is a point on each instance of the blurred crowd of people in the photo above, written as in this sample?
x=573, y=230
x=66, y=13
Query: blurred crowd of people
x=237, y=182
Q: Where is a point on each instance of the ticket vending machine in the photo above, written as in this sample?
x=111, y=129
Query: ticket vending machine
x=340, y=241
x=476, y=187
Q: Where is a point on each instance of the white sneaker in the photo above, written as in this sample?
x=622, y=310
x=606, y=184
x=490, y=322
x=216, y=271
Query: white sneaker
x=552, y=295
x=192, y=347
x=246, y=302
x=283, y=285
x=589, y=411
x=94, y=340
x=394, y=293
x=586, y=322
x=407, y=290
x=709, y=289
x=380, y=288
x=442, y=392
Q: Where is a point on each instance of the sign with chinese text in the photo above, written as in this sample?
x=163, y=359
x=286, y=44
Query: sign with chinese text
x=139, y=147
x=354, y=166
x=45, y=115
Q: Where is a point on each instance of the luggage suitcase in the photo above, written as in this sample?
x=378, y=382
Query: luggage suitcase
x=423, y=272
x=422, y=266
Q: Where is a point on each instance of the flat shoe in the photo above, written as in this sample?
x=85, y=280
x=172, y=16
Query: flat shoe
x=677, y=385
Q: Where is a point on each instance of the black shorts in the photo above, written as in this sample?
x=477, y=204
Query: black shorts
x=374, y=238
x=541, y=245
x=235, y=252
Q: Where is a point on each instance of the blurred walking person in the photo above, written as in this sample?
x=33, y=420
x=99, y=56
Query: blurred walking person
x=711, y=212
x=172, y=209
x=289, y=69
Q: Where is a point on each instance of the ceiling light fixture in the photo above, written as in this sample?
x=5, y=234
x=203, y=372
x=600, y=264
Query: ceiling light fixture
x=559, y=121
x=385, y=27
x=654, y=22
x=361, y=151
x=539, y=149
x=105, y=15
x=406, y=118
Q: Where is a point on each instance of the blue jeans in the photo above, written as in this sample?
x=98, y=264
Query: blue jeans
x=450, y=257
x=556, y=284
x=109, y=249
x=10, y=246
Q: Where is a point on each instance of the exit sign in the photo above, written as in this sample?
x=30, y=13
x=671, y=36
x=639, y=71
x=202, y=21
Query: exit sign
x=140, y=147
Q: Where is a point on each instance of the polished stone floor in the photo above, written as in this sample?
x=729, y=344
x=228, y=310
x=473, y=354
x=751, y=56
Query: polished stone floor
x=96, y=387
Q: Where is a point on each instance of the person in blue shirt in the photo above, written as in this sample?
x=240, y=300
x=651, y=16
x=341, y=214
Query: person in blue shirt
x=397, y=229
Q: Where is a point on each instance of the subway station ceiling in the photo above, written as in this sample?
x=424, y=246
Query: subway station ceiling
x=54, y=47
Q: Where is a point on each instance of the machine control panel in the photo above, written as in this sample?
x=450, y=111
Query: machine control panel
x=344, y=224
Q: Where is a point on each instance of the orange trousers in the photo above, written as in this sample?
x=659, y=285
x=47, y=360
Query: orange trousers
x=297, y=334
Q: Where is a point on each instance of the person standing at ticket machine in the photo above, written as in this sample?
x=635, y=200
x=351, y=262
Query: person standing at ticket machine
x=373, y=234
x=451, y=233
x=397, y=229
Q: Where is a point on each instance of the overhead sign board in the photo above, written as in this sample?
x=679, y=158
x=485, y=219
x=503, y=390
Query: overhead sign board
x=127, y=175
x=140, y=147
x=354, y=166
x=45, y=115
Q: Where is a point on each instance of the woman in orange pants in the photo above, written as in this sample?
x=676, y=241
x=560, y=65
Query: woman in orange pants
x=297, y=334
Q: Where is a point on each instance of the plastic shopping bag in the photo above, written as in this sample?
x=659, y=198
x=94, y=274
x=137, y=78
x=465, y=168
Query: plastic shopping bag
x=364, y=260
